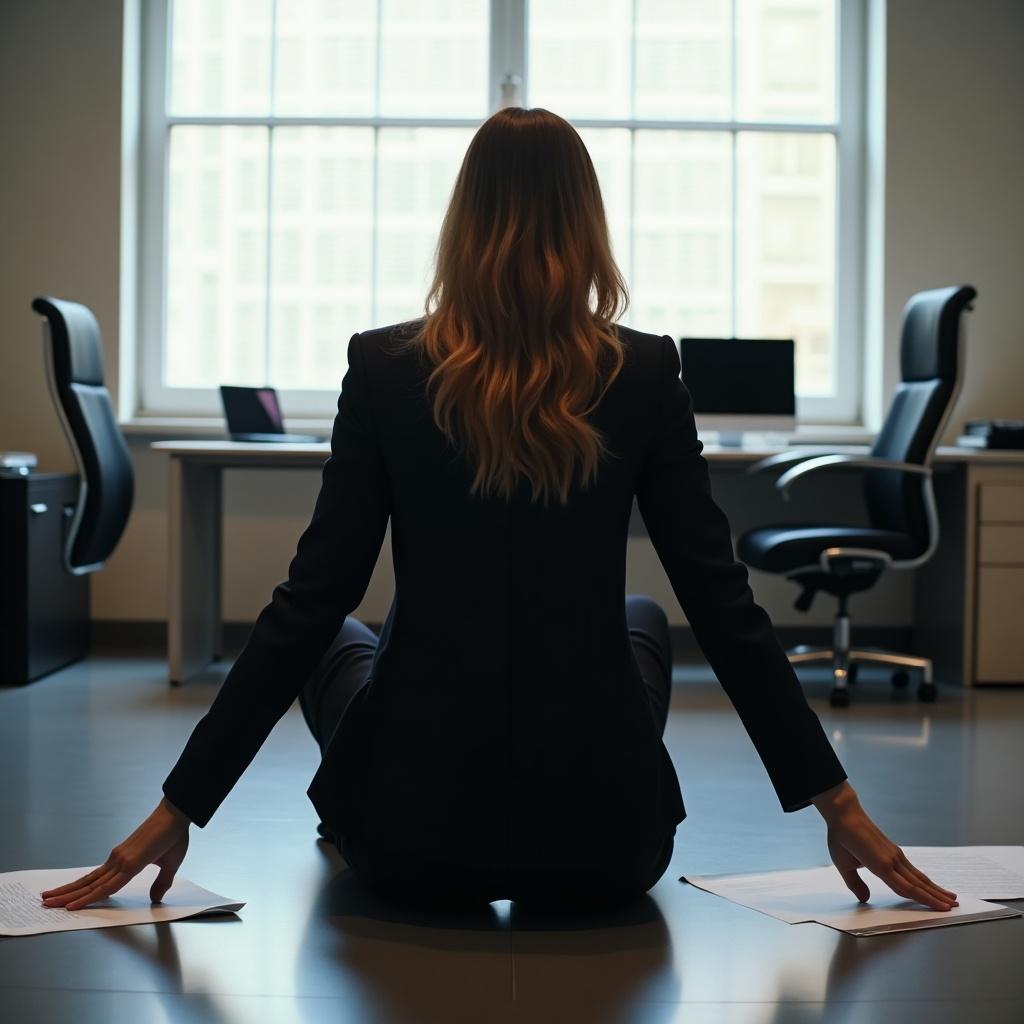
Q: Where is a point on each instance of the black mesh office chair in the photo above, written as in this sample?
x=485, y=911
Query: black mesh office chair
x=903, y=530
x=74, y=360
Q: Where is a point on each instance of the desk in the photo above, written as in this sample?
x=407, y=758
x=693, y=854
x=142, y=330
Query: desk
x=952, y=589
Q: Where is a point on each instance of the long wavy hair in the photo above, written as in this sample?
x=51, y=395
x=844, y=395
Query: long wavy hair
x=519, y=317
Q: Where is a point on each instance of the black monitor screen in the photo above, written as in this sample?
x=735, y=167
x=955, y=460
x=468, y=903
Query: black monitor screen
x=251, y=410
x=739, y=376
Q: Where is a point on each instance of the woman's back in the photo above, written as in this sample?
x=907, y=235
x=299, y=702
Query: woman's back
x=505, y=719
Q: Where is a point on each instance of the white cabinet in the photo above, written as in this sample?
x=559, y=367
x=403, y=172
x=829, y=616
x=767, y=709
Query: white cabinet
x=999, y=583
x=969, y=597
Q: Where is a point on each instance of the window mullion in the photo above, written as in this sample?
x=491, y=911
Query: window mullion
x=632, y=60
x=734, y=236
x=632, y=208
x=375, y=167
x=269, y=238
x=268, y=258
x=374, y=224
x=151, y=316
x=378, y=48
x=508, y=50
x=733, y=171
x=853, y=284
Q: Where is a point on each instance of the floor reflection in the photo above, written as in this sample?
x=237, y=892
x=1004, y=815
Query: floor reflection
x=389, y=964
x=156, y=948
x=398, y=964
x=848, y=969
x=613, y=966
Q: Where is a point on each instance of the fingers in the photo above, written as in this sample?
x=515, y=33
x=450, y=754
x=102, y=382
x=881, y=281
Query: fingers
x=908, y=887
x=97, y=888
x=847, y=864
x=85, y=880
x=163, y=882
x=855, y=884
x=925, y=881
x=75, y=890
x=101, y=890
x=934, y=896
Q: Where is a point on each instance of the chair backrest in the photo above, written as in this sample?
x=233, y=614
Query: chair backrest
x=74, y=356
x=930, y=373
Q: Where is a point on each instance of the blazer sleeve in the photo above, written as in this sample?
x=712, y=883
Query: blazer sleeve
x=692, y=538
x=327, y=579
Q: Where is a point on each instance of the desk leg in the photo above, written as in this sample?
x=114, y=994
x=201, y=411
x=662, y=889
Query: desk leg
x=943, y=586
x=194, y=546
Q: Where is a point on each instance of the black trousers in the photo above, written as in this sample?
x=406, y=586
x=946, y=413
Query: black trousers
x=344, y=669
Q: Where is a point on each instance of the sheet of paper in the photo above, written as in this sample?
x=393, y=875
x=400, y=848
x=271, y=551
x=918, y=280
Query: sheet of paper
x=820, y=895
x=22, y=912
x=988, y=872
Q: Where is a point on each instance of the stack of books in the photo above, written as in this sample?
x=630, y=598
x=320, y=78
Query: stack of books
x=992, y=434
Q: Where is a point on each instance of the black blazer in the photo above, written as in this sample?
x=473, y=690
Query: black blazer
x=505, y=722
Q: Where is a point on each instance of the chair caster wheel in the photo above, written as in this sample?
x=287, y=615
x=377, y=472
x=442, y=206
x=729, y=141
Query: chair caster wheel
x=927, y=692
x=901, y=679
x=839, y=697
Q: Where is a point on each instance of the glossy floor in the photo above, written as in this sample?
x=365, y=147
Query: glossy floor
x=83, y=754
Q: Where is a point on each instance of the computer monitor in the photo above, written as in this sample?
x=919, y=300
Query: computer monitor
x=740, y=384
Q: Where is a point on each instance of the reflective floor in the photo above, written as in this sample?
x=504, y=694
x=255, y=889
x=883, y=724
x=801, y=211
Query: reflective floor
x=83, y=754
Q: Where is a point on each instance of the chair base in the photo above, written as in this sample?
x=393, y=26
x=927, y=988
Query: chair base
x=845, y=659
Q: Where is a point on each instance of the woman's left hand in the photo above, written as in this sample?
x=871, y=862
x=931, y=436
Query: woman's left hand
x=162, y=839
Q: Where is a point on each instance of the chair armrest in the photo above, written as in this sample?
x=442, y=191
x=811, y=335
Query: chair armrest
x=782, y=459
x=845, y=462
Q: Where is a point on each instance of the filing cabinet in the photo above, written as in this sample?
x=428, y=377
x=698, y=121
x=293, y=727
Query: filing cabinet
x=44, y=609
x=999, y=583
x=969, y=597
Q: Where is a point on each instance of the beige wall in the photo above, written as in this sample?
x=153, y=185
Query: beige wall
x=954, y=211
x=60, y=137
x=955, y=181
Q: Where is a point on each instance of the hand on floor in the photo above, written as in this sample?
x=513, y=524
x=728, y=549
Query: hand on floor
x=855, y=841
x=162, y=839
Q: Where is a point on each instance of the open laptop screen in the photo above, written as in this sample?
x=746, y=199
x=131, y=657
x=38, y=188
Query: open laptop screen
x=251, y=410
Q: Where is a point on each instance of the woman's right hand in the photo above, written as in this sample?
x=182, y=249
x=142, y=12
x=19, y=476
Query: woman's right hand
x=855, y=841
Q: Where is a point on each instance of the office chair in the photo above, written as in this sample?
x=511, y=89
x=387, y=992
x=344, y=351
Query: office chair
x=74, y=364
x=897, y=486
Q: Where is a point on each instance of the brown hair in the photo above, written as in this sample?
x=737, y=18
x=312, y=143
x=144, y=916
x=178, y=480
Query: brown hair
x=520, y=312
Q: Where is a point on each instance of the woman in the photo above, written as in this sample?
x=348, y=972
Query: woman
x=502, y=737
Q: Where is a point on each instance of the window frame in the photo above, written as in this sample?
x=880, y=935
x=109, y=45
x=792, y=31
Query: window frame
x=507, y=83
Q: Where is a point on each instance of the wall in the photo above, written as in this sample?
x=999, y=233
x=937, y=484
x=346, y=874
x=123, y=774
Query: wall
x=954, y=185
x=60, y=137
x=954, y=211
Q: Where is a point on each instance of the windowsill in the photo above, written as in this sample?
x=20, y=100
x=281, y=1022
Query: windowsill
x=173, y=427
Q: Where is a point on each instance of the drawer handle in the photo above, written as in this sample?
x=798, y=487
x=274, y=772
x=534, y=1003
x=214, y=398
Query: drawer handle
x=38, y=508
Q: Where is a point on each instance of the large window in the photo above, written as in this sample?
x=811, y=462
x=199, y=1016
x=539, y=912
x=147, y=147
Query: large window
x=298, y=156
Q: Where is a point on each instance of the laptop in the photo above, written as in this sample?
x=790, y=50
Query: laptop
x=254, y=414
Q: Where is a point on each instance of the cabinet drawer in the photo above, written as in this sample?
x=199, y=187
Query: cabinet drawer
x=999, y=638
x=1002, y=545
x=1001, y=503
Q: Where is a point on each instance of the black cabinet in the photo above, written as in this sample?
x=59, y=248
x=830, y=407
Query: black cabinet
x=44, y=609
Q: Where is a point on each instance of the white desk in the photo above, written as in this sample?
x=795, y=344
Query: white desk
x=195, y=523
x=194, y=518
